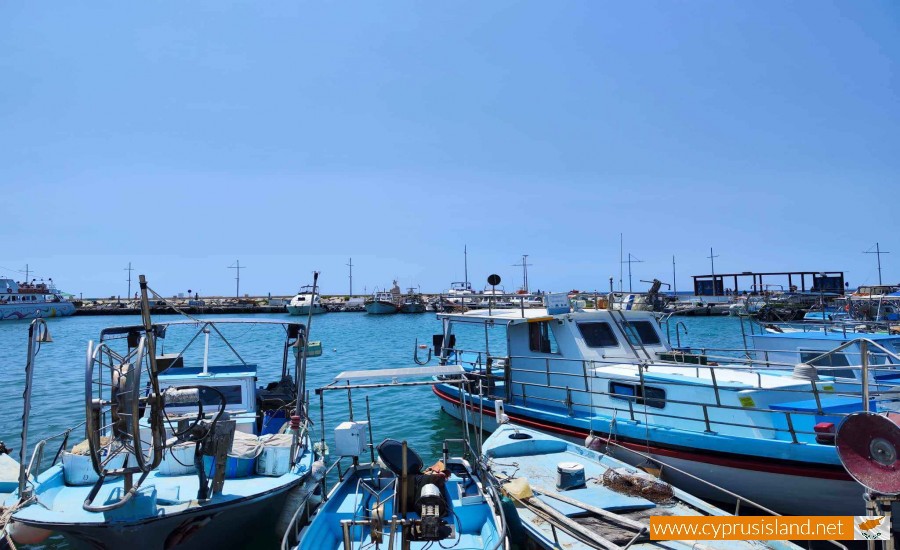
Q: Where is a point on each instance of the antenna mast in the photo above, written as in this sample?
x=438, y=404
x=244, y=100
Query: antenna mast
x=129, y=270
x=631, y=260
x=350, y=265
x=237, y=265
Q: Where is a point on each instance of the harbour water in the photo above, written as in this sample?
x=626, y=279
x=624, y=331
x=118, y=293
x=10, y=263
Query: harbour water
x=352, y=341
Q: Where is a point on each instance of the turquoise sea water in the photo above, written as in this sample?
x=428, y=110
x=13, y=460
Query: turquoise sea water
x=350, y=341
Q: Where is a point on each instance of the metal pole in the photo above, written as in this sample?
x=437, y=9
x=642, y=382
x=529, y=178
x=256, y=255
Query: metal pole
x=864, y=353
x=878, y=255
x=525, y=270
x=301, y=375
x=712, y=266
x=350, y=265
x=674, y=285
x=621, y=241
x=37, y=332
x=629, y=272
x=129, y=270
x=237, y=267
x=466, y=264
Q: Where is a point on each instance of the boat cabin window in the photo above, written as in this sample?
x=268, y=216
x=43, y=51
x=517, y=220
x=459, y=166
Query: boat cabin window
x=540, y=338
x=833, y=360
x=650, y=396
x=641, y=332
x=598, y=335
x=210, y=398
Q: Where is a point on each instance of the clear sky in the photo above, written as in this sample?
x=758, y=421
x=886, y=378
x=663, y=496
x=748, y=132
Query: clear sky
x=182, y=136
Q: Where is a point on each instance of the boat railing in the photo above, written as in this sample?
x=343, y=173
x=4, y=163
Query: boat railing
x=35, y=465
x=584, y=379
x=297, y=522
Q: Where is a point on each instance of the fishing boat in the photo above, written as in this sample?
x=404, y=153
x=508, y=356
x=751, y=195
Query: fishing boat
x=383, y=302
x=32, y=300
x=761, y=428
x=306, y=302
x=569, y=496
x=412, y=302
x=183, y=451
x=398, y=501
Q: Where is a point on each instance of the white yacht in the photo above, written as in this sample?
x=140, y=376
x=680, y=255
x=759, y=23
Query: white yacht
x=304, y=301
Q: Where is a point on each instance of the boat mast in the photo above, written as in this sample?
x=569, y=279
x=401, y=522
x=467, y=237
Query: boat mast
x=674, y=285
x=712, y=266
x=621, y=246
x=878, y=252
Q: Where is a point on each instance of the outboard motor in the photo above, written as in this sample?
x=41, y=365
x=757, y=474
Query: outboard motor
x=431, y=508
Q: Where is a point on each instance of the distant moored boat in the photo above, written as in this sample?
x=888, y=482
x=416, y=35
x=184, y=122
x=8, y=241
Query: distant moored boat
x=305, y=300
x=32, y=301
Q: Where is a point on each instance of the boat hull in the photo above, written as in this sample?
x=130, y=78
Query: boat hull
x=15, y=312
x=770, y=485
x=304, y=310
x=223, y=526
x=381, y=308
x=412, y=308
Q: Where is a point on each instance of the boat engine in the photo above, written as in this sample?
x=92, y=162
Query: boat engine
x=431, y=508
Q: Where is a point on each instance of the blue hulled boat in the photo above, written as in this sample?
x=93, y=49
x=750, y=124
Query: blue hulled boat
x=382, y=303
x=180, y=453
x=398, y=502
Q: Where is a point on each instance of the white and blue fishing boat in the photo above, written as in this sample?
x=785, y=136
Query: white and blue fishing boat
x=306, y=302
x=760, y=428
x=183, y=450
x=32, y=300
x=412, y=302
x=568, y=496
x=382, y=303
x=398, y=501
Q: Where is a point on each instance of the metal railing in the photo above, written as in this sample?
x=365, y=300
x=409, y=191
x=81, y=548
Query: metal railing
x=583, y=381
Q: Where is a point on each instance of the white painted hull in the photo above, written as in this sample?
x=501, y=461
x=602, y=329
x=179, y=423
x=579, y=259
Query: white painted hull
x=304, y=310
x=14, y=312
x=786, y=494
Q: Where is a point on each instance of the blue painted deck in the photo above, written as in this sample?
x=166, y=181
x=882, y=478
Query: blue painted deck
x=536, y=459
x=159, y=496
x=474, y=522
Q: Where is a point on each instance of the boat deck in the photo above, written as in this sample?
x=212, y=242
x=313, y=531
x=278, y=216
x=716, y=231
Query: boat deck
x=469, y=513
x=536, y=458
x=159, y=495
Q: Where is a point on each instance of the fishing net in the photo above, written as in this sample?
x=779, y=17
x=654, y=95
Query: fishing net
x=638, y=484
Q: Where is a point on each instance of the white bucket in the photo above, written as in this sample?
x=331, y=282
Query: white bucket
x=78, y=469
x=178, y=461
x=275, y=458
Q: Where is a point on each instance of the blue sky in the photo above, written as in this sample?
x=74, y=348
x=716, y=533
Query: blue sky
x=293, y=136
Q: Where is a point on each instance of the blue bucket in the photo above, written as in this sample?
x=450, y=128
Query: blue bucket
x=234, y=467
x=273, y=421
